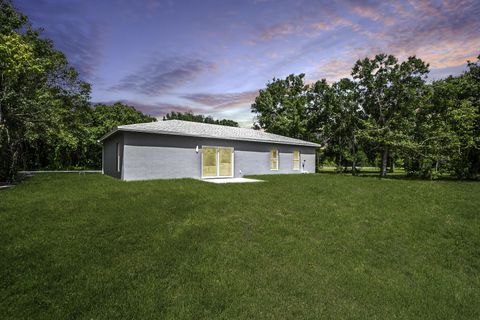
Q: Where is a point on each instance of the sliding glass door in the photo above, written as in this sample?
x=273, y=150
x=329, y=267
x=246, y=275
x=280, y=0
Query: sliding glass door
x=217, y=162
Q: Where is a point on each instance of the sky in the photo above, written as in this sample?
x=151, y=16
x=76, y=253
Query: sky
x=211, y=57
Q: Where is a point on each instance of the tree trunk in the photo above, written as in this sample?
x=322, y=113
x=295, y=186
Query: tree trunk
x=392, y=164
x=383, y=169
x=12, y=173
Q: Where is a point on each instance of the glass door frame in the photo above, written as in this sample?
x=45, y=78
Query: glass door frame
x=217, y=154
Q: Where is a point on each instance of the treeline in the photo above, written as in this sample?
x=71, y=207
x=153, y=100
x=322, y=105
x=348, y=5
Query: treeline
x=76, y=146
x=189, y=116
x=386, y=114
x=46, y=118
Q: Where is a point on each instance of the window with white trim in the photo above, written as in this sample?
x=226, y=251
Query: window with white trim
x=274, y=159
x=296, y=160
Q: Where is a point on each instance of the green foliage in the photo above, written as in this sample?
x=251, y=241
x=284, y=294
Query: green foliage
x=282, y=108
x=75, y=144
x=17, y=57
x=189, y=116
x=39, y=90
x=375, y=112
x=340, y=119
x=448, y=128
x=389, y=93
x=10, y=19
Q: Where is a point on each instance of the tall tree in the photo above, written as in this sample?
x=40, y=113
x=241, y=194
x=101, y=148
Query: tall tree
x=471, y=96
x=321, y=101
x=35, y=83
x=337, y=116
x=346, y=116
x=282, y=107
x=389, y=93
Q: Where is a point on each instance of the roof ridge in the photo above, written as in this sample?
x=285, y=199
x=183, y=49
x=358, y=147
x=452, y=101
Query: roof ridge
x=208, y=124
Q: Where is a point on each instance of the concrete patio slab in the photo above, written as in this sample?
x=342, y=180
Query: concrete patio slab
x=231, y=180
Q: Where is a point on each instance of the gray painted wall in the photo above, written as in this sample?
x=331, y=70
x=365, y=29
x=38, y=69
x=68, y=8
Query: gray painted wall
x=154, y=156
x=109, y=155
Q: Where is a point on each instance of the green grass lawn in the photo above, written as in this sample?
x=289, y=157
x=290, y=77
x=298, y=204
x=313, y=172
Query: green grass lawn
x=295, y=247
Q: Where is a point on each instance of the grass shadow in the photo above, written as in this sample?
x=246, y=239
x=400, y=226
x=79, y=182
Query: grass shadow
x=399, y=175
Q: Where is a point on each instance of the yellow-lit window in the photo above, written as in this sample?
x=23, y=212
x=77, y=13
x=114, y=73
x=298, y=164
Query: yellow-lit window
x=296, y=160
x=273, y=159
x=225, y=164
x=209, y=162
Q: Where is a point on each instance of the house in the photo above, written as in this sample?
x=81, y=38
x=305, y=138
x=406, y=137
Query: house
x=182, y=149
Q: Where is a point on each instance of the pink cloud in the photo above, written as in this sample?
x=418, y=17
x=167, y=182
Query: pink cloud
x=223, y=101
x=373, y=14
x=333, y=70
x=278, y=30
x=321, y=26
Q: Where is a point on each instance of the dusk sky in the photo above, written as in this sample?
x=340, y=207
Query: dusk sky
x=212, y=57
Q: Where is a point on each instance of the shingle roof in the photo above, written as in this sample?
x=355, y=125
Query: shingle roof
x=196, y=129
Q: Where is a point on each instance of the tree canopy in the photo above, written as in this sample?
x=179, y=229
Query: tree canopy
x=189, y=116
x=389, y=92
x=281, y=108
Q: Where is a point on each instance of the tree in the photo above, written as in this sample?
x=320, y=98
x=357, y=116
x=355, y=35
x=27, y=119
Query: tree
x=17, y=61
x=345, y=121
x=448, y=130
x=10, y=18
x=35, y=82
x=102, y=119
x=189, y=116
x=282, y=107
x=471, y=96
x=389, y=93
x=337, y=119
x=321, y=100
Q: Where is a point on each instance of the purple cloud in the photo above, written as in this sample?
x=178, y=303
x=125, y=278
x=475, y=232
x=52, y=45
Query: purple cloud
x=281, y=29
x=161, y=76
x=223, y=101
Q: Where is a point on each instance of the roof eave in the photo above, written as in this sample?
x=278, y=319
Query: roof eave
x=105, y=136
x=116, y=129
